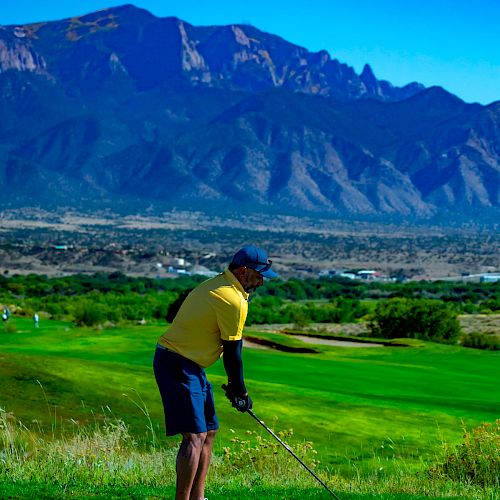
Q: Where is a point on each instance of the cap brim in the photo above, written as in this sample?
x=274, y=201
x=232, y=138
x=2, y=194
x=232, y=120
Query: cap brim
x=269, y=274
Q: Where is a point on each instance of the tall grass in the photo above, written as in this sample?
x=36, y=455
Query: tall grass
x=105, y=455
x=476, y=460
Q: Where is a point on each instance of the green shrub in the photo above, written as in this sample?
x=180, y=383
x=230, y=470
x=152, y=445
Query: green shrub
x=270, y=309
x=476, y=460
x=481, y=341
x=492, y=305
x=415, y=318
x=126, y=298
x=24, y=312
x=88, y=314
x=299, y=316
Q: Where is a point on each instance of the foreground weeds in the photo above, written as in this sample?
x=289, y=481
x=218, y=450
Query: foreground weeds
x=103, y=461
x=476, y=460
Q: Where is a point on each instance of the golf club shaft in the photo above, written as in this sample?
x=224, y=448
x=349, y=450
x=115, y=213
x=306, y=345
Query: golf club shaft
x=287, y=448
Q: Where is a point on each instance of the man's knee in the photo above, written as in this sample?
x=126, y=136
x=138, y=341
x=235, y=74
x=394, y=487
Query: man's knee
x=211, y=435
x=195, y=439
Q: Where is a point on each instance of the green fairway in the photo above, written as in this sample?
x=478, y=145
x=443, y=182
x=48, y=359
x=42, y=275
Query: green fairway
x=363, y=408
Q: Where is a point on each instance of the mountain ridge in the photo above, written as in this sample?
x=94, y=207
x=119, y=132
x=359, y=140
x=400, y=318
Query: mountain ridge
x=119, y=105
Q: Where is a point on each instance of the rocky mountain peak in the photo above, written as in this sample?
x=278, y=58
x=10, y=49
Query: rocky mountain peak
x=367, y=75
x=126, y=11
x=153, y=50
x=122, y=105
x=17, y=52
x=240, y=36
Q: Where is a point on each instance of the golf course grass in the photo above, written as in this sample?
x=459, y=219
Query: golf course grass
x=363, y=409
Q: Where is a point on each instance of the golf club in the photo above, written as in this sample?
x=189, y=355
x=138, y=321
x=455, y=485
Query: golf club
x=287, y=448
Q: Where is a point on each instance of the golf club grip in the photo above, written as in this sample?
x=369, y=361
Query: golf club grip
x=287, y=448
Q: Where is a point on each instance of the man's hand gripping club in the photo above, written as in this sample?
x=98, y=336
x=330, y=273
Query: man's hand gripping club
x=242, y=402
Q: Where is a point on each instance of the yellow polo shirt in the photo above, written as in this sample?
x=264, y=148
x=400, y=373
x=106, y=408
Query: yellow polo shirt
x=214, y=311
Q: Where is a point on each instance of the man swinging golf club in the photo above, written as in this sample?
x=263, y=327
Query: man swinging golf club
x=209, y=324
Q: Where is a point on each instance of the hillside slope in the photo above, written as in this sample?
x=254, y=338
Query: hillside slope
x=122, y=109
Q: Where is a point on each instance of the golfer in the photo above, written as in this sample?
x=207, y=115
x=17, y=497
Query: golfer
x=209, y=324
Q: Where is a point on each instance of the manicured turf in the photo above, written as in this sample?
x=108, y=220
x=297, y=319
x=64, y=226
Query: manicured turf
x=361, y=407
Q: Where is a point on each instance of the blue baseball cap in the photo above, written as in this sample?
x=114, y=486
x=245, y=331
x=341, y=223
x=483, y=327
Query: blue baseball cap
x=254, y=258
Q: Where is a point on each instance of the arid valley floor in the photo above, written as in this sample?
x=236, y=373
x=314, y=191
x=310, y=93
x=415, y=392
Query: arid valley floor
x=33, y=241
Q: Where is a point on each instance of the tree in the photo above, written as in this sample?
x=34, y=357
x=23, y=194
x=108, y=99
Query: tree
x=88, y=314
x=415, y=318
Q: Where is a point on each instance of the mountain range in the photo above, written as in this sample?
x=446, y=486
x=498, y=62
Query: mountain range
x=122, y=109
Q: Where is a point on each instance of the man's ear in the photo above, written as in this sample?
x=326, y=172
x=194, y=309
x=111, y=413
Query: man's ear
x=240, y=273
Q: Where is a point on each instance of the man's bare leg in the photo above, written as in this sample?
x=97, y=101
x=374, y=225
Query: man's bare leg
x=188, y=460
x=198, y=488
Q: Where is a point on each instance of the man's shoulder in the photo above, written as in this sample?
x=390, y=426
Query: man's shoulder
x=222, y=288
x=212, y=283
x=217, y=284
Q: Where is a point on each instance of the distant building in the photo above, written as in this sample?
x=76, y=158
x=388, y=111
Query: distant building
x=367, y=274
x=202, y=271
x=175, y=270
x=176, y=262
x=328, y=273
x=489, y=278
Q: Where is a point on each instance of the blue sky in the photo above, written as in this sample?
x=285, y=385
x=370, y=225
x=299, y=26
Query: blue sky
x=451, y=43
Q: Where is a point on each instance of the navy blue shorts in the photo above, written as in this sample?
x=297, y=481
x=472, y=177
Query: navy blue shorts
x=187, y=395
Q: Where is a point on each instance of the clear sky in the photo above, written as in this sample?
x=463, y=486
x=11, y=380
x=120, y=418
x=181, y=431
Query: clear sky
x=451, y=43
